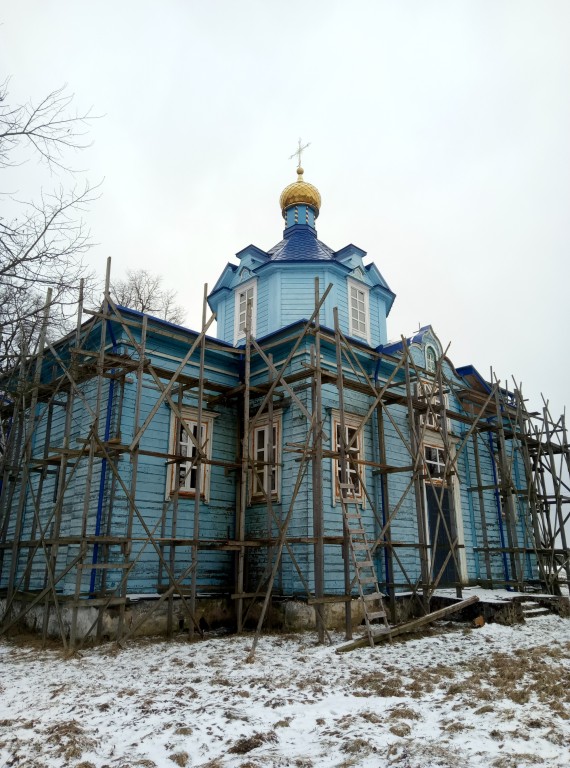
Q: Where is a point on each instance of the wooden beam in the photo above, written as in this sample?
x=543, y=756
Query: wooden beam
x=409, y=626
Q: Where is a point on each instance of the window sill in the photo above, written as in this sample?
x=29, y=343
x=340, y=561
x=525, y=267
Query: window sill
x=188, y=495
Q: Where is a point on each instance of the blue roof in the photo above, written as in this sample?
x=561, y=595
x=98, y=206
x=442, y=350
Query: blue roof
x=469, y=370
x=417, y=338
x=301, y=244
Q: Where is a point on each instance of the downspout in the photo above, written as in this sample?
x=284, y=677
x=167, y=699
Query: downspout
x=499, y=513
x=382, y=494
x=471, y=509
x=241, y=378
x=107, y=434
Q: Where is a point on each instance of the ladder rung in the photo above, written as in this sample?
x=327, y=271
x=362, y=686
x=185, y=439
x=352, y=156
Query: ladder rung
x=364, y=563
x=367, y=579
x=376, y=615
x=372, y=596
x=356, y=530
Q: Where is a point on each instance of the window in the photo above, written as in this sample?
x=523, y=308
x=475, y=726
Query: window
x=431, y=359
x=184, y=474
x=429, y=392
x=359, y=310
x=353, y=454
x=245, y=294
x=434, y=459
x=266, y=457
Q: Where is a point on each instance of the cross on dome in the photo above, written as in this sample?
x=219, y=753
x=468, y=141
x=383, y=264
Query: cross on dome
x=299, y=152
x=300, y=193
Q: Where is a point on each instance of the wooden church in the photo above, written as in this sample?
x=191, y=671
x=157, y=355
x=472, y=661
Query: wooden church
x=300, y=455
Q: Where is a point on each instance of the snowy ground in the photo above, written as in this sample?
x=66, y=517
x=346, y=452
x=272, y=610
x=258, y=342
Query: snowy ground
x=454, y=696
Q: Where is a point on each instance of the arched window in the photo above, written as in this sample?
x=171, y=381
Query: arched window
x=431, y=359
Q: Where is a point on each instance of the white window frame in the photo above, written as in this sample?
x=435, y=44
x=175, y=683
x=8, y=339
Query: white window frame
x=354, y=330
x=259, y=454
x=181, y=444
x=431, y=368
x=240, y=309
x=352, y=424
x=436, y=464
x=425, y=391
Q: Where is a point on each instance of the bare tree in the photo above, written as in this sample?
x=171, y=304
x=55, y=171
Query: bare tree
x=43, y=243
x=143, y=291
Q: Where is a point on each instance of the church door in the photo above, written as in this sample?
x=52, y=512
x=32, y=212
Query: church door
x=439, y=538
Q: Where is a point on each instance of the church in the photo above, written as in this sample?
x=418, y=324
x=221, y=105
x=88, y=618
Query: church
x=299, y=456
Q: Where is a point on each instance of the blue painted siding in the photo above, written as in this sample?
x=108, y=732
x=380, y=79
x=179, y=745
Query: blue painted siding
x=285, y=294
x=158, y=512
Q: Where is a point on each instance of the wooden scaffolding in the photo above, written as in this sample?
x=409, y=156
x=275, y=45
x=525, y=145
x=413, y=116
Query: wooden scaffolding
x=492, y=426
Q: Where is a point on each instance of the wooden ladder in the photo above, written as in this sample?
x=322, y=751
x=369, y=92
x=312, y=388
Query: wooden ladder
x=363, y=564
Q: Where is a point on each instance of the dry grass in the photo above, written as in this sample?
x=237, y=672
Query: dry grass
x=354, y=746
x=180, y=758
x=249, y=743
x=69, y=740
x=403, y=713
x=516, y=760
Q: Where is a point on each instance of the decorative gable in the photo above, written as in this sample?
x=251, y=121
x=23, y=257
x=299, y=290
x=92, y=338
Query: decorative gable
x=360, y=274
x=244, y=274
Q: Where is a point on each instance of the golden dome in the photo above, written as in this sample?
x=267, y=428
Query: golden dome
x=300, y=193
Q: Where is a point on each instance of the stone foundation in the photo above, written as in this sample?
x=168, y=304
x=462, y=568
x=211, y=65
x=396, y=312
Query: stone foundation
x=283, y=615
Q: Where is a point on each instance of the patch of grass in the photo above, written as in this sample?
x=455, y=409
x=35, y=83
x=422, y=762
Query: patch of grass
x=371, y=717
x=379, y=685
x=403, y=713
x=352, y=746
x=180, y=758
x=249, y=743
x=69, y=739
x=454, y=726
x=516, y=760
x=556, y=737
x=519, y=695
x=400, y=729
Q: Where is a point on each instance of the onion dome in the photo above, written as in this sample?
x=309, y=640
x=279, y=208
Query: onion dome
x=300, y=193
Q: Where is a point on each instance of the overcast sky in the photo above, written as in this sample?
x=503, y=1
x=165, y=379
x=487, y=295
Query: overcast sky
x=440, y=143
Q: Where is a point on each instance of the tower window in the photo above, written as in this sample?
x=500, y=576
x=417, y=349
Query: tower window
x=358, y=310
x=431, y=359
x=245, y=294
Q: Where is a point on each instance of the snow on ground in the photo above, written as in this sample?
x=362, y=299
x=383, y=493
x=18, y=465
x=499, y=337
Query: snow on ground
x=455, y=696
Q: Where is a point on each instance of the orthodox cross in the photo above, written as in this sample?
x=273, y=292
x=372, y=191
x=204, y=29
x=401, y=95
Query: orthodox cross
x=299, y=152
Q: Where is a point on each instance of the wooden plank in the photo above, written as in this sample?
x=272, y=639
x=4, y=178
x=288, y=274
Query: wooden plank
x=329, y=599
x=409, y=626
